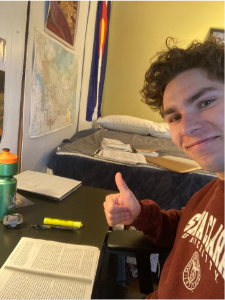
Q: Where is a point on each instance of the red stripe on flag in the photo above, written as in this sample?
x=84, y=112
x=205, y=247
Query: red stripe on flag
x=103, y=28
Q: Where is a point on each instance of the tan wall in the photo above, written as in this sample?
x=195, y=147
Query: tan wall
x=137, y=30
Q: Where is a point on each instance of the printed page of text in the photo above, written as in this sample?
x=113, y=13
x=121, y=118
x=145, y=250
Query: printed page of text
x=39, y=269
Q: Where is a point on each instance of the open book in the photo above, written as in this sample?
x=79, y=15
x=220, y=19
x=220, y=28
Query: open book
x=39, y=269
x=52, y=186
x=120, y=156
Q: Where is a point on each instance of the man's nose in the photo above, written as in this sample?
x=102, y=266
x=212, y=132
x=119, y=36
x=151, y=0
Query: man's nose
x=191, y=124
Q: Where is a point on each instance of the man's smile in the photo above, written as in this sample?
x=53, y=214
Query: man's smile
x=199, y=144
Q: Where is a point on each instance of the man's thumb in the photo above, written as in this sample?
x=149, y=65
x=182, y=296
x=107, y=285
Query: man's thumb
x=123, y=188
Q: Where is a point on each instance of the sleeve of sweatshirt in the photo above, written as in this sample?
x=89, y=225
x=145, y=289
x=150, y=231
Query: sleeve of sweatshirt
x=159, y=225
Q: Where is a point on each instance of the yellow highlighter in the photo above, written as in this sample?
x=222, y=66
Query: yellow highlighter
x=58, y=222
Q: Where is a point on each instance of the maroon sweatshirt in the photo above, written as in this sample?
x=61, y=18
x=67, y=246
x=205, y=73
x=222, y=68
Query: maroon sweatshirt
x=195, y=266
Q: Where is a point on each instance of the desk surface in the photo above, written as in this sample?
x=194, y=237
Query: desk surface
x=85, y=205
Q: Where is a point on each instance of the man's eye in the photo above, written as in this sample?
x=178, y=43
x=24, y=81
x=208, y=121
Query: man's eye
x=205, y=103
x=174, y=119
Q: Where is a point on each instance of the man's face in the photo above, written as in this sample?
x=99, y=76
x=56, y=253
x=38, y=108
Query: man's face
x=194, y=109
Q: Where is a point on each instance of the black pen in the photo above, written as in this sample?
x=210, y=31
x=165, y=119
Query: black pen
x=53, y=227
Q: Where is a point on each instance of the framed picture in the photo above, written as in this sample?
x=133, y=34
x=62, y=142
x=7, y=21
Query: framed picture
x=217, y=33
x=62, y=21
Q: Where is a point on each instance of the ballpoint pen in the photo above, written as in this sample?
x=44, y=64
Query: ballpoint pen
x=53, y=227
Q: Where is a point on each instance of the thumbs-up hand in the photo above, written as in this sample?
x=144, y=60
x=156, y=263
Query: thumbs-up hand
x=122, y=208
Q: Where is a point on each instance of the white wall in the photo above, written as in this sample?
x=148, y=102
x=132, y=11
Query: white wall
x=13, y=15
x=36, y=151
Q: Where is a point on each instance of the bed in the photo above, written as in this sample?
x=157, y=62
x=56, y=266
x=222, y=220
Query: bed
x=74, y=158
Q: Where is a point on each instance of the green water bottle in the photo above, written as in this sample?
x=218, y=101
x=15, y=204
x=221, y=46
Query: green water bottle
x=8, y=168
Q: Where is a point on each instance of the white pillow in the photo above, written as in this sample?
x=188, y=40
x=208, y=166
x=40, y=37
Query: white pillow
x=135, y=125
x=160, y=130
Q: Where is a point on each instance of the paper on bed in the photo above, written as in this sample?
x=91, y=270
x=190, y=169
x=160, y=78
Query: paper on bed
x=131, y=158
x=116, y=148
x=115, y=144
x=147, y=151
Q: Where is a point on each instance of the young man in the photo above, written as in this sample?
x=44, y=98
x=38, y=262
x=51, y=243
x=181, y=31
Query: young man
x=187, y=86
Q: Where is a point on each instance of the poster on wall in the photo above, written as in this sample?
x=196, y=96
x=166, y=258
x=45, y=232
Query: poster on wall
x=2, y=82
x=54, y=82
x=218, y=33
x=62, y=20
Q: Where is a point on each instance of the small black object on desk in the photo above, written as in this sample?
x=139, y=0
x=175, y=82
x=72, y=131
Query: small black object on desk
x=53, y=227
x=12, y=221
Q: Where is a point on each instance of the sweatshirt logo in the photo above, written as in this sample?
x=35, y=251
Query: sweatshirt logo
x=208, y=236
x=192, y=272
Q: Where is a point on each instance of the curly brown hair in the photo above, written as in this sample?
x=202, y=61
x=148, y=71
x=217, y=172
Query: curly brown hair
x=207, y=55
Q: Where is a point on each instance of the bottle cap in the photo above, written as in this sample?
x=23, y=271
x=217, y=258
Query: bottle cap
x=7, y=158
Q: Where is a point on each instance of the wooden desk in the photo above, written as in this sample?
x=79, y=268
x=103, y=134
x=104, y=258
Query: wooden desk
x=85, y=205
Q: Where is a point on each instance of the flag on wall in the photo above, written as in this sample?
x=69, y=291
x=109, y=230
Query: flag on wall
x=99, y=58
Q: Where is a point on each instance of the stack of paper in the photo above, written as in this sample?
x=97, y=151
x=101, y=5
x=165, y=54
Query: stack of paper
x=120, y=156
x=111, y=144
x=147, y=152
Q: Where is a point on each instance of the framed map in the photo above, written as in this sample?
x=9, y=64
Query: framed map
x=54, y=82
x=61, y=21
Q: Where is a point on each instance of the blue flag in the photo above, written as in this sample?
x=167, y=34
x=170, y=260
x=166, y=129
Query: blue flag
x=99, y=58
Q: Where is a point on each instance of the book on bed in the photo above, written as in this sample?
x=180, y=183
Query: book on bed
x=177, y=164
x=147, y=151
